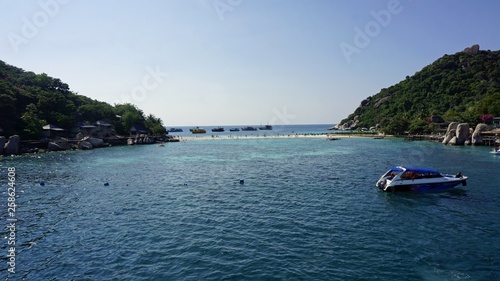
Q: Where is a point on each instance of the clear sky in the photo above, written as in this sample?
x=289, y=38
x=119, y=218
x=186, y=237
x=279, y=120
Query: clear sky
x=223, y=62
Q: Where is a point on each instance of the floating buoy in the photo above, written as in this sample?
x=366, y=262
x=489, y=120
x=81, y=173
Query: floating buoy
x=106, y=184
x=42, y=183
x=242, y=181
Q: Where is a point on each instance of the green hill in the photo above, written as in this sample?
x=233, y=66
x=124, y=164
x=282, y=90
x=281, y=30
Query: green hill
x=28, y=101
x=463, y=87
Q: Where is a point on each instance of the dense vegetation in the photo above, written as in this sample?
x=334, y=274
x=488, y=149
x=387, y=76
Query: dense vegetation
x=463, y=87
x=28, y=101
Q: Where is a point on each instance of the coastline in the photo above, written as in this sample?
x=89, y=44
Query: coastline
x=15, y=146
x=62, y=144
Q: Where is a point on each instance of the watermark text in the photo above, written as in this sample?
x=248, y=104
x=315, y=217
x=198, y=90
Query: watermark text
x=32, y=26
x=363, y=36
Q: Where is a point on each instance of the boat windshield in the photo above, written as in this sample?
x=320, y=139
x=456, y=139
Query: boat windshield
x=420, y=175
x=387, y=174
x=390, y=174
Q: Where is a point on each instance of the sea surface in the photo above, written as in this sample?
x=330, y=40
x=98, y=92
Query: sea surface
x=308, y=209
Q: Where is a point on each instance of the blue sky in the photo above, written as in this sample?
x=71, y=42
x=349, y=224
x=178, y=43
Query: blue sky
x=223, y=62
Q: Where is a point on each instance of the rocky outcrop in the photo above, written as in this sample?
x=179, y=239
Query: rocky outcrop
x=477, y=139
x=2, y=143
x=350, y=125
x=12, y=146
x=381, y=101
x=58, y=145
x=457, y=134
x=364, y=103
x=53, y=146
x=473, y=50
x=450, y=132
x=462, y=133
x=84, y=145
x=95, y=142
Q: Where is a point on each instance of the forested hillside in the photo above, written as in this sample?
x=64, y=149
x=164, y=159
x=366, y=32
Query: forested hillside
x=28, y=101
x=463, y=87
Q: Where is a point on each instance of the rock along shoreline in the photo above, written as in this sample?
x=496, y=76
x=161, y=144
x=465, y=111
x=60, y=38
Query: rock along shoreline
x=15, y=146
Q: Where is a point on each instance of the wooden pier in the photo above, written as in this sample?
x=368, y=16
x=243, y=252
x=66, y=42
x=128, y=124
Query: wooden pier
x=436, y=138
x=490, y=138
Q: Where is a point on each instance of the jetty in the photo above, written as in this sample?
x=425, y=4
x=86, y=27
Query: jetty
x=489, y=138
x=436, y=138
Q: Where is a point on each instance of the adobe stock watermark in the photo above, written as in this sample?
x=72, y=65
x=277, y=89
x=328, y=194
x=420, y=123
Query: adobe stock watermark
x=282, y=116
x=150, y=82
x=223, y=6
x=31, y=26
x=363, y=37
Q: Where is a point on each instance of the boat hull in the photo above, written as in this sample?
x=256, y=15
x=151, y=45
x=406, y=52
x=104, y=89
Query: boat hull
x=422, y=187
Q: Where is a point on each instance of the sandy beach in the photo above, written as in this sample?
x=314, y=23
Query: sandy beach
x=277, y=136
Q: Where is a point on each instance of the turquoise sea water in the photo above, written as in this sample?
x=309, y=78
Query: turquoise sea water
x=308, y=210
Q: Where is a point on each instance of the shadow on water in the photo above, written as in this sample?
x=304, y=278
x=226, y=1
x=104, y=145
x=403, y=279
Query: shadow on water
x=414, y=199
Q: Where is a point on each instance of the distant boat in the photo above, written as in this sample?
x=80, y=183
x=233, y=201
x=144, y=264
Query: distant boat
x=249, y=129
x=198, y=130
x=333, y=138
x=175, y=130
x=218, y=129
x=266, y=127
x=234, y=130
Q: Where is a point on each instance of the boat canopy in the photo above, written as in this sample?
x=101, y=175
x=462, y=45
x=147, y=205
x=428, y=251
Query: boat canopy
x=413, y=169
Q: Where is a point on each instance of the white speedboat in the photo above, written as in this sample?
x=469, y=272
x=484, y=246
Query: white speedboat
x=495, y=151
x=403, y=178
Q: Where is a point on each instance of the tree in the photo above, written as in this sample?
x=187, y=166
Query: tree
x=418, y=126
x=154, y=125
x=396, y=126
x=130, y=116
x=8, y=113
x=32, y=123
x=56, y=109
x=96, y=111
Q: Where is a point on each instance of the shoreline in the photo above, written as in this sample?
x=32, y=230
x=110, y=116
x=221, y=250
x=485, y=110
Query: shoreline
x=27, y=147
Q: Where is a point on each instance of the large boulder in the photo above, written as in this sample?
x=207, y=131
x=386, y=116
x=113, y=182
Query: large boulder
x=95, y=142
x=473, y=50
x=84, y=145
x=450, y=132
x=453, y=141
x=3, y=140
x=381, y=101
x=477, y=139
x=58, y=145
x=365, y=102
x=53, y=146
x=12, y=146
x=462, y=133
